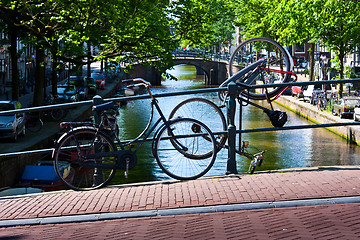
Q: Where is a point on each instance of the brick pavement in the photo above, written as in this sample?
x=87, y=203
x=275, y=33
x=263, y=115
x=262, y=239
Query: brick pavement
x=336, y=182
x=338, y=221
x=310, y=222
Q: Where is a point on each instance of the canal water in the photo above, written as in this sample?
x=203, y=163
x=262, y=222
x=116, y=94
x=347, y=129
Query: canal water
x=285, y=149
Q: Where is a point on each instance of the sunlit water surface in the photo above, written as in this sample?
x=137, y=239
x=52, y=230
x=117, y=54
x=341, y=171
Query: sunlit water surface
x=285, y=149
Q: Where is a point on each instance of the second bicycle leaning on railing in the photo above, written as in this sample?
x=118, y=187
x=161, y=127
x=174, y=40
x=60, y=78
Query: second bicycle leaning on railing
x=87, y=156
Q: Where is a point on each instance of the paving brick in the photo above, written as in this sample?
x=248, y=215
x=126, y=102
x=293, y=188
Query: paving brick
x=339, y=221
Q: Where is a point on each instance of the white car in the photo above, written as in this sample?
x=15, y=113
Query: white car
x=357, y=113
x=309, y=92
x=11, y=125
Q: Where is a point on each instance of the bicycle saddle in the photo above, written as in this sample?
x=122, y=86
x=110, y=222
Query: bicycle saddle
x=277, y=118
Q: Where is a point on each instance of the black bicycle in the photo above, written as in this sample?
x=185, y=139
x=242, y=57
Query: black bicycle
x=87, y=156
x=256, y=61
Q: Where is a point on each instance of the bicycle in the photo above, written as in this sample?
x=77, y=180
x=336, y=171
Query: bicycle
x=33, y=121
x=255, y=61
x=321, y=101
x=184, y=148
x=196, y=108
x=54, y=114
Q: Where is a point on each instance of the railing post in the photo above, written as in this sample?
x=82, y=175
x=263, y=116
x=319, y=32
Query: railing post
x=96, y=101
x=98, y=176
x=231, y=106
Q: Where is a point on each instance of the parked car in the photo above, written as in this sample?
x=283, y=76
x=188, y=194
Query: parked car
x=99, y=80
x=14, y=124
x=81, y=86
x=91, y=86
x=345, y=106
x=297, y=91
x=66, y=93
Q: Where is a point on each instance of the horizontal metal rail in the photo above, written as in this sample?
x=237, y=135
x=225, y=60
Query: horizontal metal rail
x=195, y=91
x=170, y=94
x=253, y=130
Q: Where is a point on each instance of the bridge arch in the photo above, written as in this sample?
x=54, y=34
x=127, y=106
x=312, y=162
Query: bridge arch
x=215, y=71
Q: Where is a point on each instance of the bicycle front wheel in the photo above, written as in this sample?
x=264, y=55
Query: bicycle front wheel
x=79, y=159
x=276, y=67
x=205, y=111
x=186, y=149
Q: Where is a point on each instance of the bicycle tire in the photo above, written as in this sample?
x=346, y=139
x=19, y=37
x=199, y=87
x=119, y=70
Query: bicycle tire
x=70, y=159
x=255, y=49
x=205, y=111
x=57, y=114
x=34, y=123
x=186, y=163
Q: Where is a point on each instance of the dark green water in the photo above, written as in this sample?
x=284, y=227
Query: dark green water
x=285, y=149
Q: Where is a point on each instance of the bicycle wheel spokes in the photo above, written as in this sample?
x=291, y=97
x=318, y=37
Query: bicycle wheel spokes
x=205, y=111
x=186, y=151
x=33, y=122
x=76, y=169
x=275, y=68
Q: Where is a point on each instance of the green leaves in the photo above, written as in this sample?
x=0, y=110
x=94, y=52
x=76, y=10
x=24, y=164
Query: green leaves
x=139, y=29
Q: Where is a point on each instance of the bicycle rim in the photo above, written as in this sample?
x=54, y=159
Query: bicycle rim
x=35, y=125
x=181, y=152
x=73, y=165
x=57, y=114
x=275, y=70
x=206, y=112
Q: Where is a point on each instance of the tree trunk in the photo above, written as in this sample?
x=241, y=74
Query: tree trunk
x=54, y=79
x=39, y=76
x=88, y=59
x=14, y=65
x=312, y=61
x=341, y=71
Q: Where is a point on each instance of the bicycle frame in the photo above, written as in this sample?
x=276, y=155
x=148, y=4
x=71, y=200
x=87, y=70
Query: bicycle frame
x=147, y=130
x=143, y=135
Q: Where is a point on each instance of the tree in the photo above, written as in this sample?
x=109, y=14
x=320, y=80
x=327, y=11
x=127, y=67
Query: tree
x=254, y=17
x=339, y=29
x=135, y=29
x=293, y=22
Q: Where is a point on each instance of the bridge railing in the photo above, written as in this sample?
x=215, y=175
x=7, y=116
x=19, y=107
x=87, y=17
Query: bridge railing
x=233, y=91
x=203, y=55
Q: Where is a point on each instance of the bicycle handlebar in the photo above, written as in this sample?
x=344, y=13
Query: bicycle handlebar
x=140, y=81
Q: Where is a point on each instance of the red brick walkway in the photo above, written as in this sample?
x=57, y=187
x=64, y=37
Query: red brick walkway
x=309, y=222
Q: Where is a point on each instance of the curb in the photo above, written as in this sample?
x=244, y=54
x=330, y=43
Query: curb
x=179, y=211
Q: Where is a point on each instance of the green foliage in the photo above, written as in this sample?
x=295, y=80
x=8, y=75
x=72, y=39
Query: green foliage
x=140, y=30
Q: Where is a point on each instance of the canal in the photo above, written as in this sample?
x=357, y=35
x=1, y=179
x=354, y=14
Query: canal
x=285, y=149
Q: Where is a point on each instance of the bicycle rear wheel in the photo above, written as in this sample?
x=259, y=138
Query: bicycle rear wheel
x=275, y=69
x=76, y=163
x=186, y=149
x=205, y=111
x=33, y=122
x=57, y=114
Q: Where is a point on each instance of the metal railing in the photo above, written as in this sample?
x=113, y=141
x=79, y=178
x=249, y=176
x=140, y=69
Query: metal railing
x=232, y=131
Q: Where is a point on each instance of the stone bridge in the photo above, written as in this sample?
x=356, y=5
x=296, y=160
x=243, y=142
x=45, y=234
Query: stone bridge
x=215, y=71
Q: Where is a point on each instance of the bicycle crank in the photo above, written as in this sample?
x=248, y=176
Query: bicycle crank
x=127, y=160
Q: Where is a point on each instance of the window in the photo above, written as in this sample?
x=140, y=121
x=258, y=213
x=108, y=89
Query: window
x=299, y=48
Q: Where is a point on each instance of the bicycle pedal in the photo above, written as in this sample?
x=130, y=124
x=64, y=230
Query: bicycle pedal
x=221, y=106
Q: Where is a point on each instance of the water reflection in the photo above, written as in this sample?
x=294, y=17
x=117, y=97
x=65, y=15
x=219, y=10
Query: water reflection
x=285, y=149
